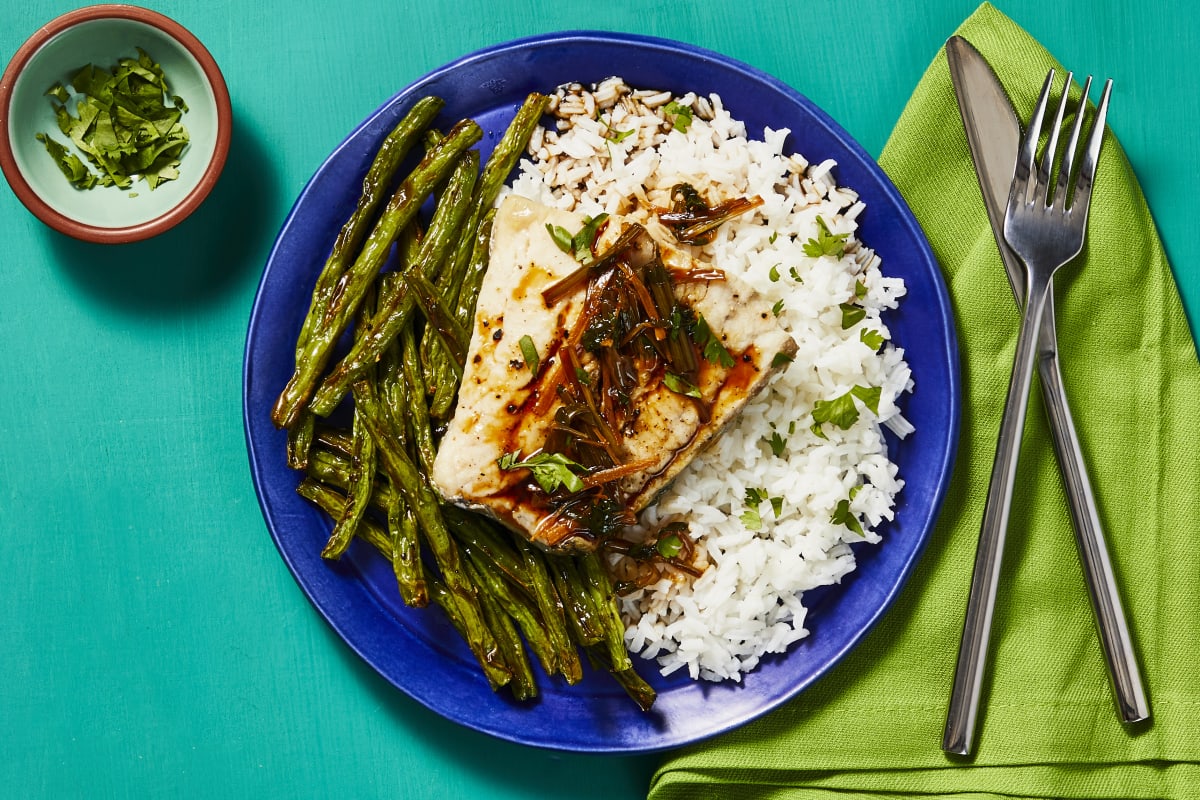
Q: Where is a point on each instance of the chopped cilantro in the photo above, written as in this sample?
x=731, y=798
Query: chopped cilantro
x=680, y=385
x=777, y=309
x=852, y=315
x=774, y=273
x=860, y=290
x=777, y=506
x=826, y=243
x=842, y=515
x=581, y=243
x=550, y=470
x=781, y=360
x=679, y=115
x=841, y=411
x=872, y=339
x=710, y=346
x=777, y=443
x=122, y=124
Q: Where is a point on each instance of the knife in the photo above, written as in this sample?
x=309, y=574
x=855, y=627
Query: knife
x=993, y=132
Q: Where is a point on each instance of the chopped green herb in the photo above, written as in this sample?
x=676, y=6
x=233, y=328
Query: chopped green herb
x=122, y=124
x=774, y=273
x=529, y=352
x=780, y=360
x=777, y=309
x=872, y=339
x=841, y=411
x=579, y=245
x=680, y=115
x=550, y=470
x=777, y=506
x=754, y=497
x=860, y=290
x=842, y=515
x=582, y=376
x=777, y=443
x=826, y=243
x=869, y=395
x=710, y=346
x=751, y=519
x=680, y=385
x=795, y=275
x=773, y=237
x=852, y=315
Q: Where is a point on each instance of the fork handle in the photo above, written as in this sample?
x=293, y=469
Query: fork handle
x=961, y=717
x=1115, y=639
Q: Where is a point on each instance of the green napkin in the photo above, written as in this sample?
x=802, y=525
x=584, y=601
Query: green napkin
x=873, y=725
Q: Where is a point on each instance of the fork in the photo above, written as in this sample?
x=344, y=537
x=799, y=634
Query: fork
x=1045, y=225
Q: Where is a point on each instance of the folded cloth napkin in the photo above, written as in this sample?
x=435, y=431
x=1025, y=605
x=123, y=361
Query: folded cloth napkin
x=873, y=725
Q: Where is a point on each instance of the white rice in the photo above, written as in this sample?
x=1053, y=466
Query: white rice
x=749, y=600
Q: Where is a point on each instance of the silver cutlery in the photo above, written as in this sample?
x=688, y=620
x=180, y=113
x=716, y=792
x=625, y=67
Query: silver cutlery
x=1045, y=225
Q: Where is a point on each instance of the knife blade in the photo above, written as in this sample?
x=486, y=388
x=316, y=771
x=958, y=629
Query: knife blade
x=993, y=133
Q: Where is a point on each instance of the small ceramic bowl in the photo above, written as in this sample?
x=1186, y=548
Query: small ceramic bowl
x=101, y=35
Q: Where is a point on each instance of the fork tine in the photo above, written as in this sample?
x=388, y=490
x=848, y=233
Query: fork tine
x=1064, y=173
x=1029, y=142
x=1048, y=157
x=1091, y=155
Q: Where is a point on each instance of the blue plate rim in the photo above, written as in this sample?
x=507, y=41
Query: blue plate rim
x=940, y=303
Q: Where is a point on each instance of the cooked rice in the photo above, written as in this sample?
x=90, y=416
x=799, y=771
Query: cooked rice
x=615, y=150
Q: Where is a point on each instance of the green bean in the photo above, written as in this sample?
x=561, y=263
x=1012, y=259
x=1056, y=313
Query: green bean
x=551, y=608
x=463, y=262
x=470, y=528
x=581, y=618
x=333, y=503
x=445, y=391
x=424, y=503
x=362, y=458
x=604, y=600
x=396, y=307
x=348, y=292
x=406, y=551
x=417, y=413
x=391, y=153
x=495, y=669
x=642, y=693
x=512, y=651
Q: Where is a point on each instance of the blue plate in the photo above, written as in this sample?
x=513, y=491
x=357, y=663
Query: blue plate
x=416, y=650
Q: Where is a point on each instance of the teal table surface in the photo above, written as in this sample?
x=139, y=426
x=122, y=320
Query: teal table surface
x=153, y=642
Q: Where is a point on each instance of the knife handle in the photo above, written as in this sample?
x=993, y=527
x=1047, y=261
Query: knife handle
x=1115, y=638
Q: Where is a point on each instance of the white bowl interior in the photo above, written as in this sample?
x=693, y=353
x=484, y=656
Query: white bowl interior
x=102, y=42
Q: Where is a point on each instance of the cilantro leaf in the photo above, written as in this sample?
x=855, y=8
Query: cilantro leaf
x=842, y=515
x=679, y=114
x=777, y=444
x=777, y=309
x=869, y=395
x=781, y=360
x=826, y=243
x=578, y=245
x=841, y=411
x=680, y=385
x=872, y=339
x=751, y=519
x=754, y=497
x=550, y=470
x=774, y=273
x=777, y=506
x=852, y=315
x=710, y=346
x=860, y=290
